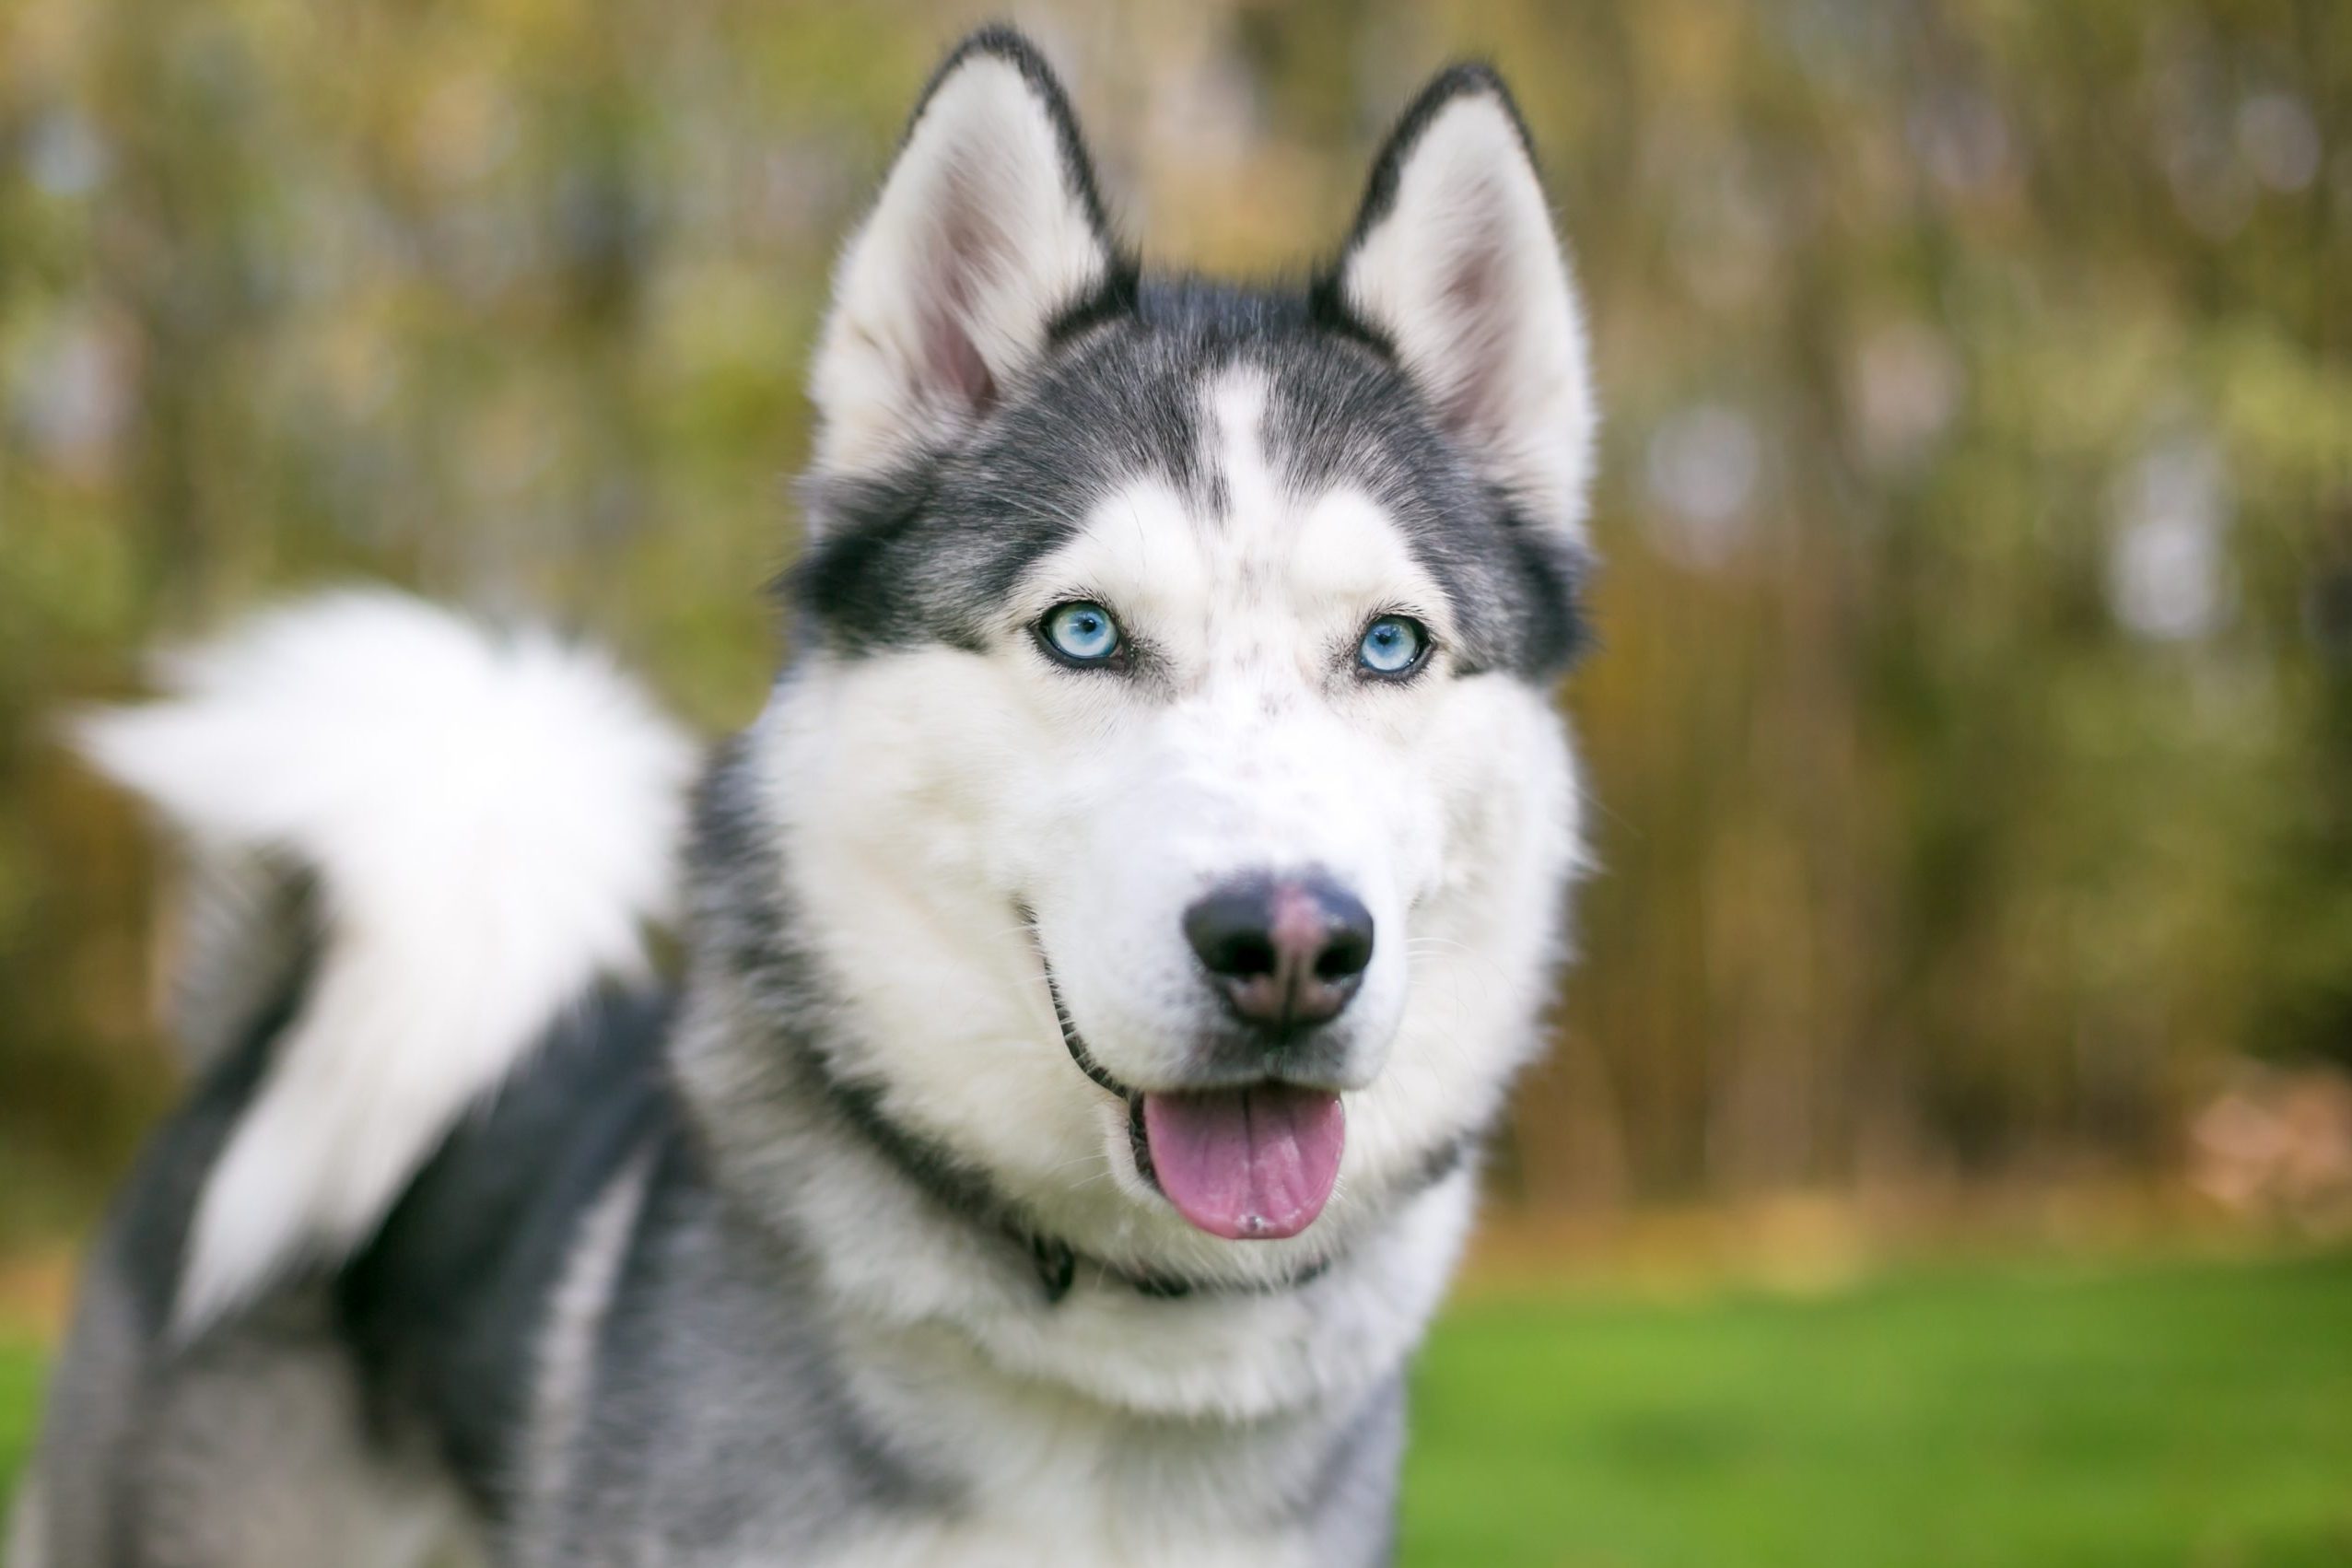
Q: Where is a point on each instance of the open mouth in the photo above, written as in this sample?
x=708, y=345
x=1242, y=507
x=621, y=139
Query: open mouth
x=1252, y=1163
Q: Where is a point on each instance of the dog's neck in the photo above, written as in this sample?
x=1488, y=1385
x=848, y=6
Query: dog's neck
x=907, y=1236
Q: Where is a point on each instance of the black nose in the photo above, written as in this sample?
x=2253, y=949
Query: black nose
x=1287, y=952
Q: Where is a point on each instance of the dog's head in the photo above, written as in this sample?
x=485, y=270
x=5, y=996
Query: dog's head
x=1171, y=794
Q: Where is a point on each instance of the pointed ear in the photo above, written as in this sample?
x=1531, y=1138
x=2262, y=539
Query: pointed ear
x=1453, y=262
x=987, y=228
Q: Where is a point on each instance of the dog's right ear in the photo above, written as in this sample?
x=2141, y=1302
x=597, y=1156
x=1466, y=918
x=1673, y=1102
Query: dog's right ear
x=987, y=228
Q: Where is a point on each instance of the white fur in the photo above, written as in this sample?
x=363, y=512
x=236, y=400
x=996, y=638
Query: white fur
x=979, y=239
x=926, y=795
x=992, y=1541
x=1467, y=277
x=491, y=820
x=1060, y=1480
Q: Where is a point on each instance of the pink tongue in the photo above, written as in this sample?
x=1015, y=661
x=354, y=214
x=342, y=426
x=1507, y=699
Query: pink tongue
x=1248, y=1165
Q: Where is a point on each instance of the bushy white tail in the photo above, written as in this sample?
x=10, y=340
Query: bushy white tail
x=488, y=820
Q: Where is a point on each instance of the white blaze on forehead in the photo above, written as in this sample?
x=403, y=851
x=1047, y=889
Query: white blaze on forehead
x=1236, y=405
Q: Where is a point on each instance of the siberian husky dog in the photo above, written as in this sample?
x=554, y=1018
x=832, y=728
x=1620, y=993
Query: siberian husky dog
x=1101, y=959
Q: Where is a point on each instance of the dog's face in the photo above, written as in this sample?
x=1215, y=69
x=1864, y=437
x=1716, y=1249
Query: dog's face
x=1172, y=789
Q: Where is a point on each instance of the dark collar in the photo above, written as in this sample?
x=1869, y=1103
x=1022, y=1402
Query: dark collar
x=965, y=1191
x=1058, y=1264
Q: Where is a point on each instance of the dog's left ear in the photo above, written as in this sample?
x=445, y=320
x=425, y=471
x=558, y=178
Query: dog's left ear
x=1454, y=261
x=986, y=229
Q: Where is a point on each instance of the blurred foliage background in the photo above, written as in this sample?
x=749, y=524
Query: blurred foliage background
x=1971, y=733
x=1970, y=739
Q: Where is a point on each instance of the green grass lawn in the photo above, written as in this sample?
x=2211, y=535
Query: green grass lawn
x=2193, y=1415
x=19, y=1405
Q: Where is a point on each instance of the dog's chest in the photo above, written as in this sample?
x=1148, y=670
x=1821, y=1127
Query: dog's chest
x=1035, y=1478
x=1078, y=1497
x=1049, y=1543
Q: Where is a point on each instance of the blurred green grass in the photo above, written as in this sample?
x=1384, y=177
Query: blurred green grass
x=20, y=1376
x=2191, y=1413
x=2186, y=1414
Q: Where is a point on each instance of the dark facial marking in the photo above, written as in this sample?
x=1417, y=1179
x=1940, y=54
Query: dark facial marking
x=930, y=552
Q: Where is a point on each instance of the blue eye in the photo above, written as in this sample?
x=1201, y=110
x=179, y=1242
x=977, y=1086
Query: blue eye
x=1393, y=645
x=1080, y=632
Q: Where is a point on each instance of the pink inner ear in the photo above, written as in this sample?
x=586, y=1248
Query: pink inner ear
x=954, y=364
x=1478, y=307
x=952, y=361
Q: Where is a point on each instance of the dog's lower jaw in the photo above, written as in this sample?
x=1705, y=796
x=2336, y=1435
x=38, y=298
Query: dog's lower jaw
x=892, y=1260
